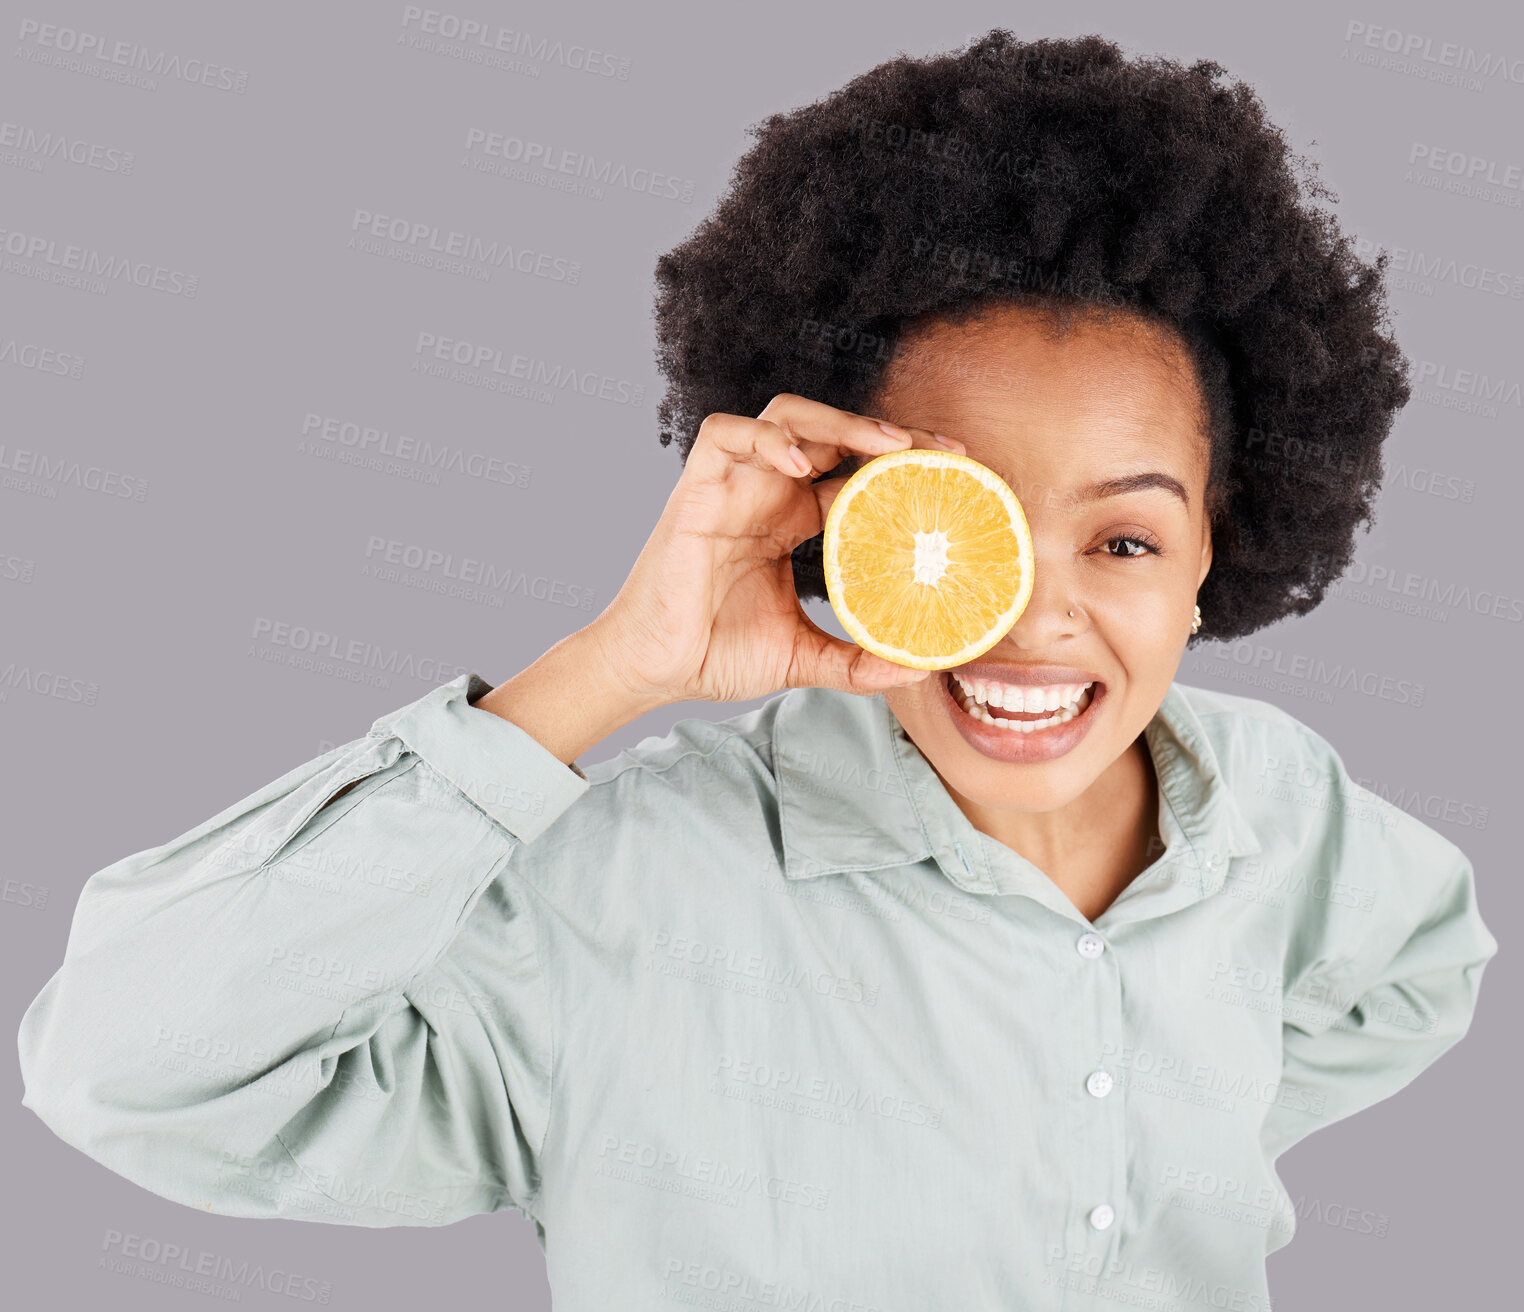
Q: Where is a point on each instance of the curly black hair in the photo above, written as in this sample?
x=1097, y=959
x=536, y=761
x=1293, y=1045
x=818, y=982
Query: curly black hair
x=1057, y=172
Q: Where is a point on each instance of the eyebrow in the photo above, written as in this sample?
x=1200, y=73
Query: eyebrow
x=1114, y=487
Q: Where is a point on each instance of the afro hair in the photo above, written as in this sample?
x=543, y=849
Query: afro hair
x=1059, y=173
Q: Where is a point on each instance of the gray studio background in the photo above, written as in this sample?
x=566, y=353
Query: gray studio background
x=188, y=497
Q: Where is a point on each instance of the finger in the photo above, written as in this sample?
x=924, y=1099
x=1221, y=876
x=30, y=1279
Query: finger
x=824, y=433
x=923, y=438
x=829, y=456
x=824, y=661
x=827, y=489
x=783, y=454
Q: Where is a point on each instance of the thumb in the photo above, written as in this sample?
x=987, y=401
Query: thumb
x=874, y=674
x=824, y=661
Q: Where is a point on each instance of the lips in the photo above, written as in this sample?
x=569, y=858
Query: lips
x=1016, y=745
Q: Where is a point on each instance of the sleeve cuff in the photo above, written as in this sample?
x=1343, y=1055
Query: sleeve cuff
x=505, y=772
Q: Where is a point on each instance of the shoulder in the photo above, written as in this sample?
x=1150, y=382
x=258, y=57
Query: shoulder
x=701, y=774
x=1260, y=742
x=739, y=746
x=1266, y=751
x=1359, y=856
x=1271, y=761
x=1232, y=720
x=665, y=822
x=800, y=738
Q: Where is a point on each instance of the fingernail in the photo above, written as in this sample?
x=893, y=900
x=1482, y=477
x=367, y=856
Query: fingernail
x=895, y=432
x=944, y=442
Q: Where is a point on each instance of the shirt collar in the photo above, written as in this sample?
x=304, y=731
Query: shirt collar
x=855, y=793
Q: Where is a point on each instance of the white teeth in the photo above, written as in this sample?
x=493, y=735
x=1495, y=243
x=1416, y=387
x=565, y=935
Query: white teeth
x=1067, y=700
x=1010, y=697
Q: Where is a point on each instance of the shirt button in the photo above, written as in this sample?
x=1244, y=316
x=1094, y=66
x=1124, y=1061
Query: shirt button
x=1099, y=1083
x=1090, y=946
x=1102, y=1216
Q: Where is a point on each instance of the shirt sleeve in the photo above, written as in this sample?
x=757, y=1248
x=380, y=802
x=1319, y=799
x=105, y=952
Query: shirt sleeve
x=1359, y=1027
x=321, y=1006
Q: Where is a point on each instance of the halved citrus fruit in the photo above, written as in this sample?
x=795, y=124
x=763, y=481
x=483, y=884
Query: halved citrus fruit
x=928, y=558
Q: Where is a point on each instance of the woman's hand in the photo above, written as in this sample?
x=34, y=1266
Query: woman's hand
x=709, y=611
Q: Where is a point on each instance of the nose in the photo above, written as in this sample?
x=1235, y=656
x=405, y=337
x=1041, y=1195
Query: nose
x=1047, y=619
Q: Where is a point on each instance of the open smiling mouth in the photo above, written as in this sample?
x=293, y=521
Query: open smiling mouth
x=1052, y=706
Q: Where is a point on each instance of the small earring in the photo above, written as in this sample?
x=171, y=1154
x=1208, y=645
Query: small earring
x=1071, y=614
x=1196, y=622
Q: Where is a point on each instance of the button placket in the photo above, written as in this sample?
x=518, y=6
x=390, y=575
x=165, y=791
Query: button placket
x=1099, y=1082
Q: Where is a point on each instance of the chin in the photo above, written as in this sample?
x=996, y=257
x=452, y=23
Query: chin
x=1003, y=786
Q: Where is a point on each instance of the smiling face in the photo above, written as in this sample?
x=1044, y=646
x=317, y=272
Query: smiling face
x=1055, y=414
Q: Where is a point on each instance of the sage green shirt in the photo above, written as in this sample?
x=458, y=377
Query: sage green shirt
x=752, y=1015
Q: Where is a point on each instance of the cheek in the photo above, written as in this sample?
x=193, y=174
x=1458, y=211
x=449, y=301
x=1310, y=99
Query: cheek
x=1140, y=613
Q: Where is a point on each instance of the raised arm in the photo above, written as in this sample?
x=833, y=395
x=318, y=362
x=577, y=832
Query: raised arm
x=326, y=1002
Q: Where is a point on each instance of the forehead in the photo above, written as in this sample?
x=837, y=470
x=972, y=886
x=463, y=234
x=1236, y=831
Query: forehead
x=1015, y=384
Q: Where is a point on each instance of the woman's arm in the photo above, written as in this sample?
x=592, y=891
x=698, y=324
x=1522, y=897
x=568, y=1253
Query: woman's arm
x=326, y=1001
x=571, y=699
x=273, y=1015
x=1357, y=1030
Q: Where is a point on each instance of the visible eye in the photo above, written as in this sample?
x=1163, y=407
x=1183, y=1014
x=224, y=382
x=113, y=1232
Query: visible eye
x=1146, y=545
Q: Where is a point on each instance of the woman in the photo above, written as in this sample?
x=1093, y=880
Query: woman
x=997, y=987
